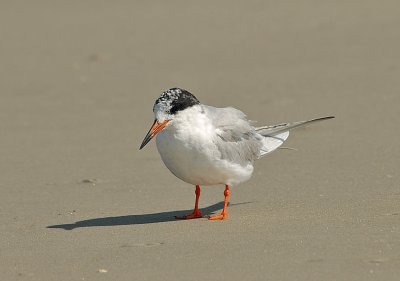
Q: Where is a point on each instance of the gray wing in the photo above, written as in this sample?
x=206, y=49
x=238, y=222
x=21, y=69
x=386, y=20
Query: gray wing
x=235, y=138
x=270, y=131
x=275, y=135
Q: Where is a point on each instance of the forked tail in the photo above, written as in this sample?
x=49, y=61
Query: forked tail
x=275, y=135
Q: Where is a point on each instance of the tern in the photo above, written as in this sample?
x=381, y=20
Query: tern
x=205, y=145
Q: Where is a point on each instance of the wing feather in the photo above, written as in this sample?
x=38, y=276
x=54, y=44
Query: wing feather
x=236, y=140
x=275, y=135
x=239, y=142
x=277, y=129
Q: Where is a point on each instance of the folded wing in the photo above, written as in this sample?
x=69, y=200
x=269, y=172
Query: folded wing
x=275, y=135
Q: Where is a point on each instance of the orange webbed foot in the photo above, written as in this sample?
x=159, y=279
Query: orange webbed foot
x=195, y=215
x=224, y=213
x=218, y=217
x=196, y=212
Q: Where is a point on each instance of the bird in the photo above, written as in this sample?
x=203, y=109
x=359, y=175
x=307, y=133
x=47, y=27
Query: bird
x=205, y=145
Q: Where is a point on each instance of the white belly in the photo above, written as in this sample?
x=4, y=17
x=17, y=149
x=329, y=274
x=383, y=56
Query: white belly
x=193, y=157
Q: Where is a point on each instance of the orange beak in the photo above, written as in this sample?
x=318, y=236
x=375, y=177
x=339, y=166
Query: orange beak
x=154, y=130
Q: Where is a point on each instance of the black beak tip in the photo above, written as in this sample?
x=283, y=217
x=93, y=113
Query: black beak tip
x=146, y=140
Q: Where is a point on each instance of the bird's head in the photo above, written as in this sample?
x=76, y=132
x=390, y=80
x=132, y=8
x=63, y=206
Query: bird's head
x=166, y=107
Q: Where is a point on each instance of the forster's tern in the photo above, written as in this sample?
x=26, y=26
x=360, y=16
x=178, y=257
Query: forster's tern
x=205, y=145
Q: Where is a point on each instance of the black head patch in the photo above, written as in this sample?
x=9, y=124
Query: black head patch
x=175, y=100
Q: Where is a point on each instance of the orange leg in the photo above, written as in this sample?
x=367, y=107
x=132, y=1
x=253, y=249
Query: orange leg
x=196, y=212
x=224, y=213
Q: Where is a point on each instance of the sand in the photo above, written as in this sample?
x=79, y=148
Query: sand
x=79, y=201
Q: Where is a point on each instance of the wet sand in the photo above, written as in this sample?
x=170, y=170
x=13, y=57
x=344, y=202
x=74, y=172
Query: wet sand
x=79, y=201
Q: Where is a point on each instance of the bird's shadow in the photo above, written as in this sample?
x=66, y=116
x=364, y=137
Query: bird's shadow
x=139, y=219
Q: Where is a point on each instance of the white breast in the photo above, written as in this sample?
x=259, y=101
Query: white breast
x=187, y=149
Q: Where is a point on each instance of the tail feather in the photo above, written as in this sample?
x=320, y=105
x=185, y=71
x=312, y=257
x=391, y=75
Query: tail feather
x=273, y=142
x=275, y=135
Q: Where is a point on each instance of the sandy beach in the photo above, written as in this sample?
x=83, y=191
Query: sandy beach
x=79, y=201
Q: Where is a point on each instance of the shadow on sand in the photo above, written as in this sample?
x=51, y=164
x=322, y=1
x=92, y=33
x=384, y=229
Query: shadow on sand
x=139, y=219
